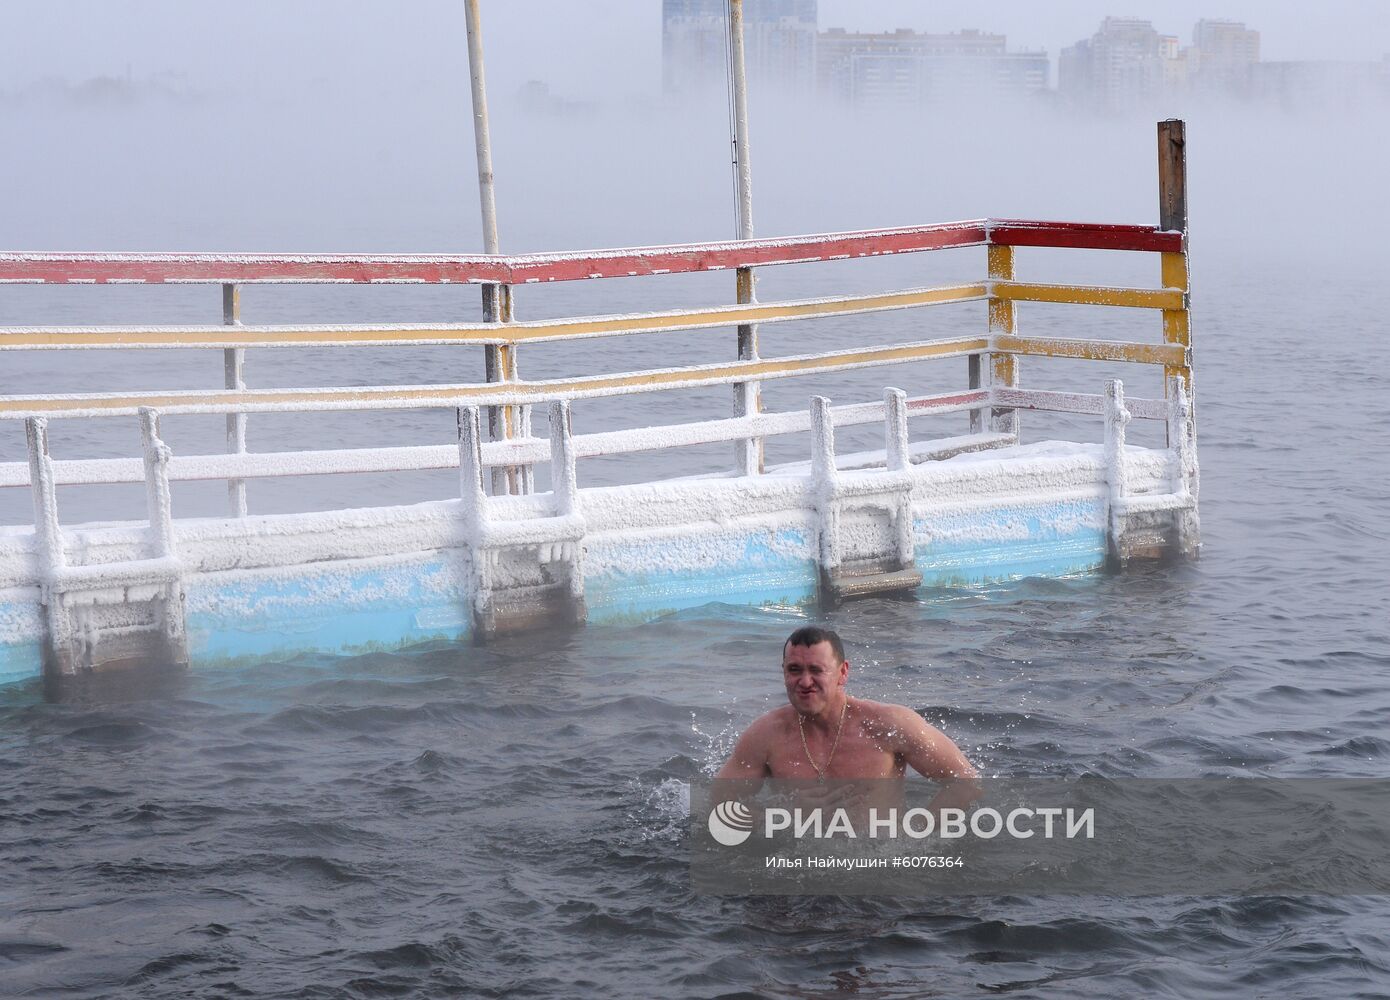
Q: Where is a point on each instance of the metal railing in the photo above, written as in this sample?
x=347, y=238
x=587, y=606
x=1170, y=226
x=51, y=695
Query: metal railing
x=1001, y=344
x=994, y=400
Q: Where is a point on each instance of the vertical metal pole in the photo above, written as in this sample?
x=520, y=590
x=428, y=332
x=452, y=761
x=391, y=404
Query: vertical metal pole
x=233, y=360
x=499, y=359
x=747, y=395
x=1172, y=216
x=482, y=140
x=1003, y=318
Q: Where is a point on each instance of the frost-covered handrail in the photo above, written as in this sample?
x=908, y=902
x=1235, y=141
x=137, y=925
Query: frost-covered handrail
x=535, y=331
x=572, y=328
x=525, y=451
x=482, y=393
x=993, y=396
x=19, y=267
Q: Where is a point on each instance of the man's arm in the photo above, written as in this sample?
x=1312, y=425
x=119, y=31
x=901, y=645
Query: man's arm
x=932, y=754
x=749, y=759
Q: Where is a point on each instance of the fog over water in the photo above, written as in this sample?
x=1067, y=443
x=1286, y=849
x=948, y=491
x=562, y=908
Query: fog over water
x=506, y=821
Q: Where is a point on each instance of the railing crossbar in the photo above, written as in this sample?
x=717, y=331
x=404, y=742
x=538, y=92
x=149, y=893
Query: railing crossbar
x=531, y=451
x=485, y=394
x=494, y=454
x=258, y=268
x=477, y=334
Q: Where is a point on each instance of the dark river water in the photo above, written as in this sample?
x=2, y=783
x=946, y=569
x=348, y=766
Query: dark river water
x=509, y=820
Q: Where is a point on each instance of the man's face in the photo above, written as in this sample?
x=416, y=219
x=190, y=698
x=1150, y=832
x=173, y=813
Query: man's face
x=813, y=676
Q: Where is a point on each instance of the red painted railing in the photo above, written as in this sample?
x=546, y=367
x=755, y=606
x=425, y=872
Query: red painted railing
x=225, y=268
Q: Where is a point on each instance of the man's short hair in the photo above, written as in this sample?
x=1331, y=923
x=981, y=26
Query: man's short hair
x=810, y=635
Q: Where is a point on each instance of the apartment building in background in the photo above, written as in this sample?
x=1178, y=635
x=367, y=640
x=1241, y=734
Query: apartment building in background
x=1125, y=64
x=906, y=68
x=1225, y=56
x=779, y=44
x=785, y=51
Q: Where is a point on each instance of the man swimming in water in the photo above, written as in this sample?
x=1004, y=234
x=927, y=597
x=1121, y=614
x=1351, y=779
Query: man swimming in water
x=826, y=734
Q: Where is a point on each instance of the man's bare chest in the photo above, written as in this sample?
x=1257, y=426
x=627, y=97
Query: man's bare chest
x=857, y=756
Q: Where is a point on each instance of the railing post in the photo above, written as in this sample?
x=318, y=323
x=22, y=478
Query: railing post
x=157, y=494
x=899, y=460
x=45, y=492
x=1003, y=319
x=564, y=484
x=823, y=482
x=564, y=481
x=895, y=429
x=471, y=469
x=52, y=558
x=975, y=377
x=161, y=510
x=1116, y=417
x=1172, y=211
x=233, y=359
x=1186, y=475
x=747, y=395
x=474, y=509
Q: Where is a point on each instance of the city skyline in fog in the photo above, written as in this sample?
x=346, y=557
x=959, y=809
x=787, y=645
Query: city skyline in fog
x=603, y=49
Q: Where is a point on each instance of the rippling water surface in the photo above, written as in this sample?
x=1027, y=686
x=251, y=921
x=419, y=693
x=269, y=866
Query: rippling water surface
x=508, y=820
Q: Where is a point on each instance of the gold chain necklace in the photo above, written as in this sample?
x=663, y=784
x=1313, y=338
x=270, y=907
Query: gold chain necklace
x=839, y=731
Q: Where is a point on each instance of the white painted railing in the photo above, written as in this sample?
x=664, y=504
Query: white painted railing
x=531, y=451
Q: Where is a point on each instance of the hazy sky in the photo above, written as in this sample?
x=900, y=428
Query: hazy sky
x=584, y=48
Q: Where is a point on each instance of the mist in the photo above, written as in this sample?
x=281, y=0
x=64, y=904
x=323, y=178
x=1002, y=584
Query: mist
x=349, y=131
x=347, y=128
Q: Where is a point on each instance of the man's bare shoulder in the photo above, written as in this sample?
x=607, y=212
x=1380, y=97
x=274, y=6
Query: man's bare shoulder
x=771, y=724
x=750, y=754
x=886, y=720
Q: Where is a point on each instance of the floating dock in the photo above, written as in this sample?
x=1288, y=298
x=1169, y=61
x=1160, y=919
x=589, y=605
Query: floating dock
x=977, y=507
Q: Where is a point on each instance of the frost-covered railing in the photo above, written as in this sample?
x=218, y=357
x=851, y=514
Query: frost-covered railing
x=995, y=396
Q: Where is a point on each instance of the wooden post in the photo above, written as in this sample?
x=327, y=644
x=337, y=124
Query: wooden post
x=233, y=359
x=1172, y=215
x=1003, y=319
x=1172, y=175
x=747, y=395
